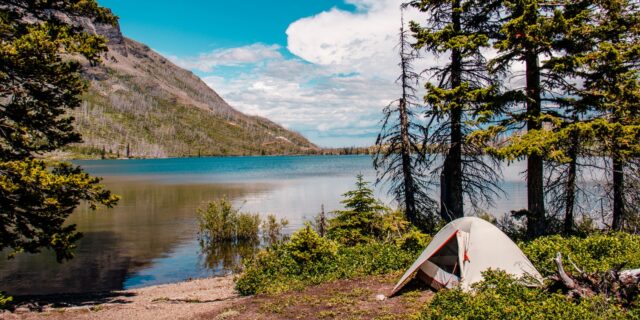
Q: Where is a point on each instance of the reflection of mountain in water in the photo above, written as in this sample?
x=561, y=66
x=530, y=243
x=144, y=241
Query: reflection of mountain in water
x=149, y=222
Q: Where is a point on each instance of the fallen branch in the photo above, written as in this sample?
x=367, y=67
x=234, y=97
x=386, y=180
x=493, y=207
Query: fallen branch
x=621, y=286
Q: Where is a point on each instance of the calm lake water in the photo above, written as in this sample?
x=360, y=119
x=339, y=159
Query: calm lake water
x=151, y=236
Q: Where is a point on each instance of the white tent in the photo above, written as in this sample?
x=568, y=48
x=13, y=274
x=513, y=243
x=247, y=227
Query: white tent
x=462, y=250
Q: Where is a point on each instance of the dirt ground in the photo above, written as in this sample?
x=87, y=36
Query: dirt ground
x=215, y=298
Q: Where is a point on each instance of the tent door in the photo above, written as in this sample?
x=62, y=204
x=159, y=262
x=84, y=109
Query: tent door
x=463, y=252
x=444, y=264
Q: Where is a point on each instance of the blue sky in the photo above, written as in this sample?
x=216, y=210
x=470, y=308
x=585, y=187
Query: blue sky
x=324, y=68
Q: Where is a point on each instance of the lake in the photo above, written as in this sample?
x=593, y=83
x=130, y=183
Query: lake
x=151, y=236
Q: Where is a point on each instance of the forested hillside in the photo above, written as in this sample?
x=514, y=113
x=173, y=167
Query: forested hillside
x=139, y=104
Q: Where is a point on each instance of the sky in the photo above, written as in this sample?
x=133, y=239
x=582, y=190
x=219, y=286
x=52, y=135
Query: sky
x=324, y=68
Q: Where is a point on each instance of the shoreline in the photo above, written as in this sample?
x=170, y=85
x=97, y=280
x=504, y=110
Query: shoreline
x=215, y=298
x=179, y=300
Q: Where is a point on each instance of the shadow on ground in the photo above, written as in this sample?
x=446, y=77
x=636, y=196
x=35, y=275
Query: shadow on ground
x=70, y=300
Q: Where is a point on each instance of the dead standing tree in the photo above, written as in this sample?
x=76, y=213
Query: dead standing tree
x=398, y=154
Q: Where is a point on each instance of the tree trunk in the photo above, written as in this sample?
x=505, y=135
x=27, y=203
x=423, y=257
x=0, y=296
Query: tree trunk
x=409, y=187
x=407, y=167
x=451, y=198
x=571, y=183
x=535, y=169
x=618, y=189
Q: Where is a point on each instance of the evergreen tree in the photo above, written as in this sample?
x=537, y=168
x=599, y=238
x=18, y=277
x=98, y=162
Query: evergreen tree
x=360, y=221
x=524, y=37
x=459, y=30
x=398, y=153
x=37, y=89
x=612, y=87
x=568, y=151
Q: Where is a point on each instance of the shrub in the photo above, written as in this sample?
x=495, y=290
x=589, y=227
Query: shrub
x=287, y=266
x=306, y=247
x=272, y=229
x=597, y=252
x=221, y=222
x=500, y=296
x=5, y=301
x=413, y=240
x=247, y=226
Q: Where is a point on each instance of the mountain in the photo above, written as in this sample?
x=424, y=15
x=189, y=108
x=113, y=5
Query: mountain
x=139, y=101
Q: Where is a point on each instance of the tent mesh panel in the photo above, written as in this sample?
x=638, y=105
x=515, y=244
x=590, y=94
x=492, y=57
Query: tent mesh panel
x=447, y=257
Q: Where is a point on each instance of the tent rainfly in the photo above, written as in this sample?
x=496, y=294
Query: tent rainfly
x=462, y=250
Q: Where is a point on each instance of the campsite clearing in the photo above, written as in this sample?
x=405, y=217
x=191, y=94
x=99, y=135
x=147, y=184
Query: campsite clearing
x=214, y=299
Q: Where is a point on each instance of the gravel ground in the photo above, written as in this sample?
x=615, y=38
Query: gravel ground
x=216, y=299
x=184, y=300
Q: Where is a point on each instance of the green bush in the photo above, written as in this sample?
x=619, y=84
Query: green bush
x=500, y=296
x=413, y=240
x=285, y=267
x=597, y=252
x=5, y=301
x=306, y=247
x=247, y=226
x=272, y=229
x=219, y=221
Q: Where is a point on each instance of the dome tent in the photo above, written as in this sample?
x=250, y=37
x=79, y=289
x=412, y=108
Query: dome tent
x=462, y=250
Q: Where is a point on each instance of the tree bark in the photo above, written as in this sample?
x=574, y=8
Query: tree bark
x=451, y=197
x=535, y=169
x=571, y=183
x=409, y=186
x=407, y=167
x=618, y=189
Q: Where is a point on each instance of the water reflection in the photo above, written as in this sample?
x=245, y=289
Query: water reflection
x=151, y=236
x=227, y=256
x=151, y=222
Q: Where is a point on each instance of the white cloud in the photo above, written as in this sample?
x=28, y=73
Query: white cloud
x=363, y=41
x=239, y=56
x=334, y=90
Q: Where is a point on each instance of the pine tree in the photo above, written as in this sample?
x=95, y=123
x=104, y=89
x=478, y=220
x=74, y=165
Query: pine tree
x=37, y=89
x=460, y=30
x=612, y=87
x=398, y=153
x=525, y=35
x=360, y=221
x=567, y=149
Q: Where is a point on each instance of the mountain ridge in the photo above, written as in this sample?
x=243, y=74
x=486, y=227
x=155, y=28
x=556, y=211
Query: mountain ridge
x=140, y=104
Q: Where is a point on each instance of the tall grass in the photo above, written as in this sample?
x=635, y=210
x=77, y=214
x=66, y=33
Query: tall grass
x=221, y=222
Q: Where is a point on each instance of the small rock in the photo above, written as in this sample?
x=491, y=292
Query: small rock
x=22, y=310
x=381, y=297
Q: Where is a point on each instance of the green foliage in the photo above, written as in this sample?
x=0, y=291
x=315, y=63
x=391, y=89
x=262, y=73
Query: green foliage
x=597, y=252
x=37, y=199
x=500, y=296
x=360, y=222
x=306, y=247
x=413, y=241
x=119, y=109
x=220, y=222
x=276, y=269
x=38, y=88
x=458, y=93
x=247, y=226
x=5, y=301
x=272, y=229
